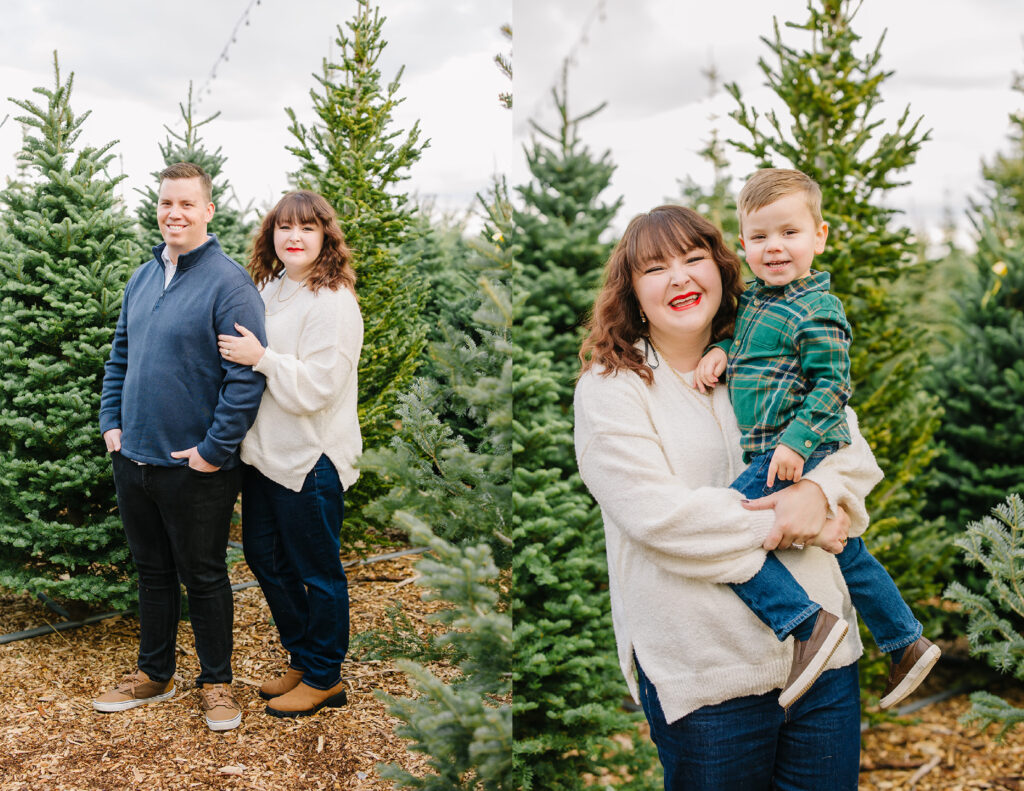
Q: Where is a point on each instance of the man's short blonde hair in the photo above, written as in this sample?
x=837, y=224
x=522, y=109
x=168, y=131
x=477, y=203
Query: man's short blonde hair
x=770, y=184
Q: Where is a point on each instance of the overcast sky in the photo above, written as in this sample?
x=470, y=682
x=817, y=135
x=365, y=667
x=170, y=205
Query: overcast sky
x=953, y=60
x=133, y=62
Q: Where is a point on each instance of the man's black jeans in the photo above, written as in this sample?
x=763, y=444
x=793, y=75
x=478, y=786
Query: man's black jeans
x=176, y=520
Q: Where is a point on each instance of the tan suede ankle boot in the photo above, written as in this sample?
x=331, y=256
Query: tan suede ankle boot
x=305, y=700
x=281, y=684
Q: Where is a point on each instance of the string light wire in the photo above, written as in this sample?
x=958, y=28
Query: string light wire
x=243, y=21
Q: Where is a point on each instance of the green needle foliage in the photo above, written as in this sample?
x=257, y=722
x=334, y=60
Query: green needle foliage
x=567, y=682
x=558, y=227
x=833, y=133
x=980, y=380
x=466, y=726
x=353, y=157
x=1006, y=170
x=67, y=253
x=449, y=467
x=995, y=617
x=234, y=231
x=450, y=462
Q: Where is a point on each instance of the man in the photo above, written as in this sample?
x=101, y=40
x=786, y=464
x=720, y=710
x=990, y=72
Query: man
x=172, y=414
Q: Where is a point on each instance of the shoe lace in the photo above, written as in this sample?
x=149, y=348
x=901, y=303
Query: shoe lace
x=218, y=695
x=130, y=682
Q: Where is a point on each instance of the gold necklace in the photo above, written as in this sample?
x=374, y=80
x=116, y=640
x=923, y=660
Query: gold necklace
x=709, y=404
x=280, y=301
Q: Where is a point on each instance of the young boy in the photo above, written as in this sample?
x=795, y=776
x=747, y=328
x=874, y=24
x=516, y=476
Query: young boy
x=788, y=370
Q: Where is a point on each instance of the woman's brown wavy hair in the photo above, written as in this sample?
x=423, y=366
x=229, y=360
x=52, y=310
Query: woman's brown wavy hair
x=332, y=268
x=657, y=235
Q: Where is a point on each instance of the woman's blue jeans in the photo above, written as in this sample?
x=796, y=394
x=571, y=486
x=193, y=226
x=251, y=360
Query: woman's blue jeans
x=781, y=603
x=292, y=544
x=753, y=744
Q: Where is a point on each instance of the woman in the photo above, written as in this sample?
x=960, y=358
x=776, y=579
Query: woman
x=299, y=454
x=659, y=457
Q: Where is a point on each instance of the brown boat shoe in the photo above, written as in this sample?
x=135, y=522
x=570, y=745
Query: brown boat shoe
x=282, y=684
x=904, y=676
x=811, y=655
x=135, y=689
x=305, y=700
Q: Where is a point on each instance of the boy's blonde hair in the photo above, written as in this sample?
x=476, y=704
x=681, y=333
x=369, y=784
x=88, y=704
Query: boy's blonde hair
x=768, y=185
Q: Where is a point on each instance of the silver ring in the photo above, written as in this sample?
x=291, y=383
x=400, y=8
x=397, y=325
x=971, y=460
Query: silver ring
x=797, y=546
x=227, y=352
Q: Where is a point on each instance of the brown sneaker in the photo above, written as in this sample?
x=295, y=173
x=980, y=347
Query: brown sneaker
x=281, y=684
x=135, y=689
x=305, y=700
x=222, y=710
x=918, y=659
x=811, y=655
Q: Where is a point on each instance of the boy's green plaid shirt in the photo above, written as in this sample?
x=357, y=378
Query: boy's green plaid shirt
x=789, y=366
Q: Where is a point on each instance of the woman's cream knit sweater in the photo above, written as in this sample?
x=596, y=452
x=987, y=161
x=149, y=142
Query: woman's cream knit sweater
x=659, y=461
x=309, y=405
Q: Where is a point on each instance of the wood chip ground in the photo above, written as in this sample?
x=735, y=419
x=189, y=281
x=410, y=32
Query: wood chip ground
x=50, y=737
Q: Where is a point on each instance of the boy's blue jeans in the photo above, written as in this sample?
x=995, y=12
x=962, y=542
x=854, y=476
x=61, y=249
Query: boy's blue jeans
x=774, y=596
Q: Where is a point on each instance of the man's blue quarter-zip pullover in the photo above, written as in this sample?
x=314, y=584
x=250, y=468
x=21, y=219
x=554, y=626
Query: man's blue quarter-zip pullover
x=165, y=385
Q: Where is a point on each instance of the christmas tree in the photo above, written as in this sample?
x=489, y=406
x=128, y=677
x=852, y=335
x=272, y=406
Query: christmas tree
x=558, y=227
x=450, y=462
x=996, y=546
x=567, y=683
x=234, y=231
x=1006, y=170
x=61, y=278
x=831, y=94
x=464, y=726
x=354, y=158
x=980, y=381
x=455, y=476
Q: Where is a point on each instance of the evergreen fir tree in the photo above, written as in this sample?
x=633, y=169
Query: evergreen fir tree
x=465, y=726
x=831, y=94
x=60, y=294
x=567, y=683
x=504, y=64
x=559, y=228
x=444, y=259
x=981, y=380
x=996, y=546
x=458, y=481
x=353, y=157
x=450, y=462
x=234, y=231
x=929, y=290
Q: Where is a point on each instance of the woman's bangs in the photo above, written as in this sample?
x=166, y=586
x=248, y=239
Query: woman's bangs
x=296, y=209
x=658, y=238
